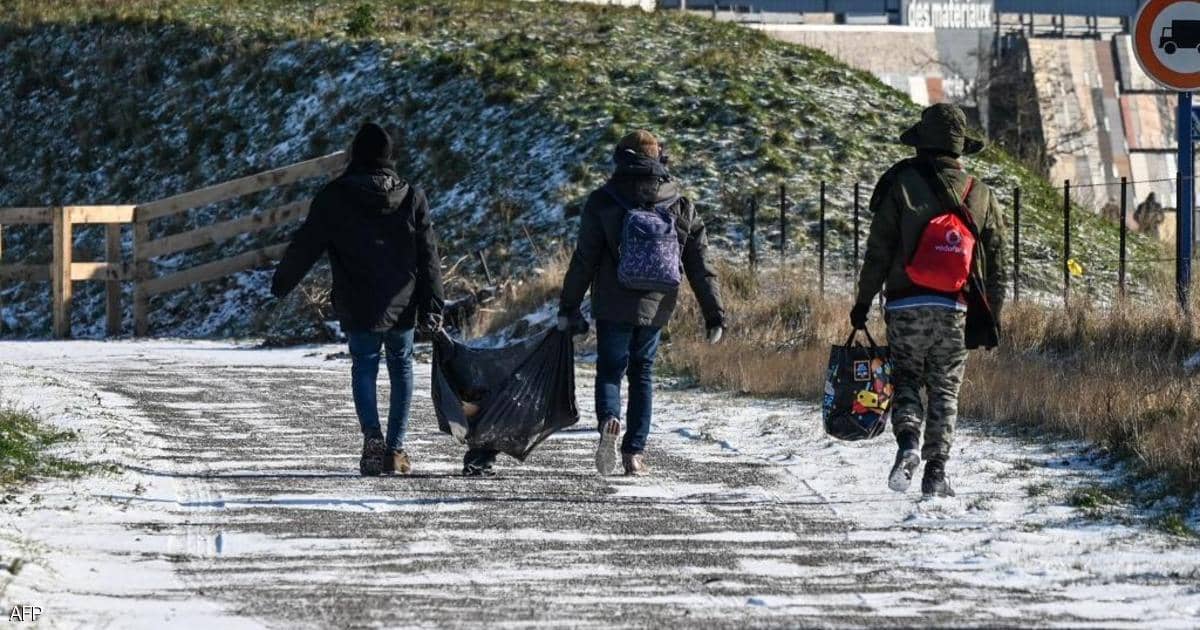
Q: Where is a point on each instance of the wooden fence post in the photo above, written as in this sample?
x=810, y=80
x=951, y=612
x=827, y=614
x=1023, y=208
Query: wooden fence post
x=112, y=288
x=1, y=263
x=141, y=273
x=61, y=276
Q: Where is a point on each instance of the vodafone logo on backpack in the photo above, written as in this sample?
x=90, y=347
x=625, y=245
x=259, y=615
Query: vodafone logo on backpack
x=942, y=260
x=953, y=243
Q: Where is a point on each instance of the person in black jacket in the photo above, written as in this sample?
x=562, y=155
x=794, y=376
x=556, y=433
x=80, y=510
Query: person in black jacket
x=387, y=276
x=629, y=321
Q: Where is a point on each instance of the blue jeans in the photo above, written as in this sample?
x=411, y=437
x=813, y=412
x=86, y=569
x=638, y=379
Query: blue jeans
x=621, y=349
x=364, y=352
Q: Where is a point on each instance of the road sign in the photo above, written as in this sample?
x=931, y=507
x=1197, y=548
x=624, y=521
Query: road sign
x=1166, y=42
x=1166, y=39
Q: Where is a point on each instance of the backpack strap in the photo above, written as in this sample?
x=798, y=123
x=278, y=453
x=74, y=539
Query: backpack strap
x=617, y=197
x=928, y=172
x=629, y=207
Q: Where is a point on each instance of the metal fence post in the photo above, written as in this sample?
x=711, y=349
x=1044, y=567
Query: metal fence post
x=854, y=266
x=1017, y=245
x=782, y=222
x=753, y=230
x=1124, y=236
x=1066, y=262
x=821, y=240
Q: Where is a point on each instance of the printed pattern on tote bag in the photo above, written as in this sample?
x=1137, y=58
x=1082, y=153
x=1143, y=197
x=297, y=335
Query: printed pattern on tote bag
x=858, y=391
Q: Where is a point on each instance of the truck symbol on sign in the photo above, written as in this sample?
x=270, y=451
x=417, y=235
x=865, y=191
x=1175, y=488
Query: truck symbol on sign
x=1180, y=34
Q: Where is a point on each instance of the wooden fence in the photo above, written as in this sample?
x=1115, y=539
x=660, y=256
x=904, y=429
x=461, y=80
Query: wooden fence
x=114, y=269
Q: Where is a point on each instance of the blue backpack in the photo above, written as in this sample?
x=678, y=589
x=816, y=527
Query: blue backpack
x=649, y=254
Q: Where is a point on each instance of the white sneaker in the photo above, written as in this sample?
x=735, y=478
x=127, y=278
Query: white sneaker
x=906, y=464
x=607, y=453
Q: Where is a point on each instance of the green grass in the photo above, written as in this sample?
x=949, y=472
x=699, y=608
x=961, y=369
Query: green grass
x=1175, y=524
x=478, y=93
x=25, y=445
x=742, y=112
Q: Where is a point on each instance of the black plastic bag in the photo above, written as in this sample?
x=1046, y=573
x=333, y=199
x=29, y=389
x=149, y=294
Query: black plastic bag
x=506, y=399
x=858, y=390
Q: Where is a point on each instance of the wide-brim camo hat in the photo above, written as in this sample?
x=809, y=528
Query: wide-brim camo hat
x=943, y=127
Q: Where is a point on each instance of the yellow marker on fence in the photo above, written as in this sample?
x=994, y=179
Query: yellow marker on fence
x=1075, y=268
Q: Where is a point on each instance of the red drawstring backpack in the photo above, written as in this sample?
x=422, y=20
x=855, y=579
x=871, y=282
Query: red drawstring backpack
x=946, y=249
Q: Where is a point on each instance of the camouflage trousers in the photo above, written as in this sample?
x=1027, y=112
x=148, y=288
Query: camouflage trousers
x=928, y=353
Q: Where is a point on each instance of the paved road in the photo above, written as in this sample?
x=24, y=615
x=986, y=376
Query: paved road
x=274, y=524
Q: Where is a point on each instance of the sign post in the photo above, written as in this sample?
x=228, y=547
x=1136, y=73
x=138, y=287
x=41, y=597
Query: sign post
x=1184, y=214
x=1166, y=40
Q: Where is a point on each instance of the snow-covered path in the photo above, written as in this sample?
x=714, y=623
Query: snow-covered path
x=239, y=501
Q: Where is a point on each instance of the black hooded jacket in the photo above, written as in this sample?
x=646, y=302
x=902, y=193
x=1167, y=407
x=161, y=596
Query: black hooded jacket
x=377, y=231
x=645, y=182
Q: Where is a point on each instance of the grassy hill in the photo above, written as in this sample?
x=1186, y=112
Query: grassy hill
x=505, y=111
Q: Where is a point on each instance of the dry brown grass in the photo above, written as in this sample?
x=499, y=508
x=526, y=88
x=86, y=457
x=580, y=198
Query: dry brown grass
x=1110, y=375
x=777, y=342
x=1113, y=376
x=521, y=297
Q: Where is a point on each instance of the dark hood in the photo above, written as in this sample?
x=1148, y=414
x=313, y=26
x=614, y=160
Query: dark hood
x=379, y=190
x=642, y=180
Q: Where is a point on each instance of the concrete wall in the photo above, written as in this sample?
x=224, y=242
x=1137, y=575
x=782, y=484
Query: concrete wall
x=1104, y=120
x=905, y=58
x=646, y=5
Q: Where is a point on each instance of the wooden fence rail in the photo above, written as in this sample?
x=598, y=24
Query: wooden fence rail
x=64, y=271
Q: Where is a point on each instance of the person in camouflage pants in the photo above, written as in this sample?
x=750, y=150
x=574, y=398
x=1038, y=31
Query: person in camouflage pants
x=927, y=349
x=930, y=331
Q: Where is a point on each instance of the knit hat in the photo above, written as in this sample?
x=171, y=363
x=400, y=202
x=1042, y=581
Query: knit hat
x=943, y=127
x=372, y=145
x=642, y=142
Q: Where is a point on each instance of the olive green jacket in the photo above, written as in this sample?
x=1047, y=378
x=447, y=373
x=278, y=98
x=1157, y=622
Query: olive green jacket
x=902, y=204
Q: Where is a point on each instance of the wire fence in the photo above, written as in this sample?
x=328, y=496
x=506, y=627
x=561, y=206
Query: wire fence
x=1070, y=255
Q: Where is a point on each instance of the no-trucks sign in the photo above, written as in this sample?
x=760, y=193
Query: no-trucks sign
x=1166, y=38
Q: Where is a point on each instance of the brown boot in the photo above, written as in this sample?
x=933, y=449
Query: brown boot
x=635, y=464
x=397, y=463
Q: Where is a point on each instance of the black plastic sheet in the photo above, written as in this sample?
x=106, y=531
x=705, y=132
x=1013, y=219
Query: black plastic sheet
x=506, y=399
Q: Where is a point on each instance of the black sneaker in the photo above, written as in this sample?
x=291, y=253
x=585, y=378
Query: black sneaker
x=907, y=460
x=934, y=483
x=371, y=463
x=479, y=464
x=477, y=470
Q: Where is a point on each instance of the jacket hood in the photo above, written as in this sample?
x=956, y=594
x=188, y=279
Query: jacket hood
x=644, y=191
x=381, y=190
x=642, y=180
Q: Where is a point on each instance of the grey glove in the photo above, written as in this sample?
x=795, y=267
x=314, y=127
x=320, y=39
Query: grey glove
x=715, y=334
